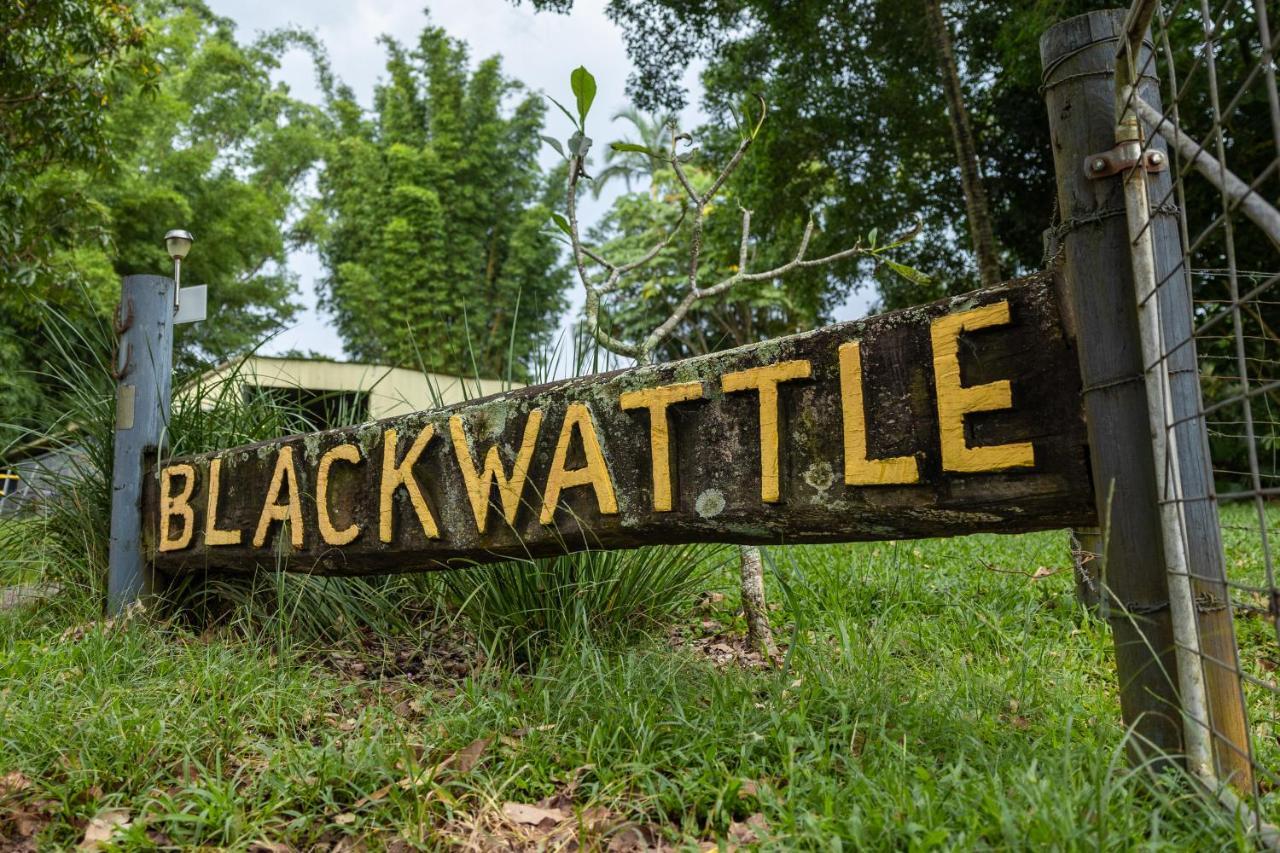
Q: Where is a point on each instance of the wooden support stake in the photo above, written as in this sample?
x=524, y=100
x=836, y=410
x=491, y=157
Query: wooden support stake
x=1078, y=57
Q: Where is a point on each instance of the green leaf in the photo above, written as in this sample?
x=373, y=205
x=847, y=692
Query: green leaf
x=554, y=143
x=632, y=146
x=564, y=110
x=584, y=89
x=561, y=223
x=871, y=237
x=911, y=274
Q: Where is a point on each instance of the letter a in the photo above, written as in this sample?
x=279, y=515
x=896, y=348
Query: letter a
x=594, y=474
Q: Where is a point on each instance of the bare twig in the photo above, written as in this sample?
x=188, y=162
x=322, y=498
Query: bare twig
x=694, y=210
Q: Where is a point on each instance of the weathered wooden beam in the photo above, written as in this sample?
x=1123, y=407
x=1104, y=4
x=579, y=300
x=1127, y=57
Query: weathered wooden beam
x=956, y=417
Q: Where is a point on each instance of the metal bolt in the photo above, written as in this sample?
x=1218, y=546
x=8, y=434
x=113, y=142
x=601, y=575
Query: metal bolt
x=1099, y=165
x=1156, y=158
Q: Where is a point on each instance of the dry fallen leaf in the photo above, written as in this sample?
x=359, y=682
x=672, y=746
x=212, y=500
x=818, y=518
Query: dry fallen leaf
x=345, y=819
x=637, y=838
x=465, y=759
x=13, y=782
x=270, y=847
x=749, y=788
x=28, y=823
x=103, y=827
x=748, y=831
x=532, y=815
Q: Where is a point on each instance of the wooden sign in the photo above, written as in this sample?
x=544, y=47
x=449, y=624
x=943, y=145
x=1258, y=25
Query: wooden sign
x=957, y=417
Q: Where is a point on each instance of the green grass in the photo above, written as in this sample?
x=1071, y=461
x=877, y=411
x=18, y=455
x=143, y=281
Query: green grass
x=927, y=700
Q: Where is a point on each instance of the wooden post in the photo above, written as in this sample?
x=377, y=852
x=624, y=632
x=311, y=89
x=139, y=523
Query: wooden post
x=144, y=370
x=1078, y=57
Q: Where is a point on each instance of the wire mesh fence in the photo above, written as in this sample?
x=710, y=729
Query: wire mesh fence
x=1210, y=316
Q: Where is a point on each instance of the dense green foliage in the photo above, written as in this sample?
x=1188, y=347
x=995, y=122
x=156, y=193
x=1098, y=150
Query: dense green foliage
x=858, y=132
x=59, y=66
x=431, y=216
x=191, y=133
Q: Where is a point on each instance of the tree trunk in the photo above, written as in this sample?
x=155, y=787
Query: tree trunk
x=975, y=197
x=759, y=634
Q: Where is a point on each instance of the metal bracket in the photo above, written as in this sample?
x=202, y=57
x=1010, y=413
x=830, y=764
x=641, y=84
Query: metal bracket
x=1121, y=159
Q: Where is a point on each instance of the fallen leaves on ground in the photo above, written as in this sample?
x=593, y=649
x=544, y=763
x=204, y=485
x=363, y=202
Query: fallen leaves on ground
x=720, y=645
x=13, y=782
x=751, y=831
x=466, y=759
x=76, y=633
x=543, y=818
x=439, y=657
x=103, y=827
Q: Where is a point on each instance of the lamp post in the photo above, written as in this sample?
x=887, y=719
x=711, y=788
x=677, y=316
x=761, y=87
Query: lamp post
x=177, y=243
x=144, y=374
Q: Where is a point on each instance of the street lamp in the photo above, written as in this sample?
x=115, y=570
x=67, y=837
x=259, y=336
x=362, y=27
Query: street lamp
x=177, y=243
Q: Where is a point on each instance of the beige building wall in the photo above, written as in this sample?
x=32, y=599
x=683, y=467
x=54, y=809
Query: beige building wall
x=392, y=390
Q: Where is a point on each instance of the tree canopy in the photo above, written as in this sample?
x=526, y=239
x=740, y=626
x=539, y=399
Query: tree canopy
x=188, y=131
x=858, y=132
x=431, y=214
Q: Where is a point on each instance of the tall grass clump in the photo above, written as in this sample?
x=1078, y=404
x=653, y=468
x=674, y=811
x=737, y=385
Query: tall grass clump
x=523, y=609
x=62, y=539
x=520, y=609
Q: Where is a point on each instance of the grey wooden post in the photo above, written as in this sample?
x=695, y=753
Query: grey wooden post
x=144, y=366
x=1078, y=57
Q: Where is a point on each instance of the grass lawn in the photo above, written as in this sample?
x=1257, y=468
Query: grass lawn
x=943, y=693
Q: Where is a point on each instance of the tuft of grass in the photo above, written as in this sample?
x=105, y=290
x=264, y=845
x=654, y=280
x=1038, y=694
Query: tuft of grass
x=522, y=609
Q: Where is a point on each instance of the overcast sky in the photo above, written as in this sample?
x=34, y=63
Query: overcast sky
x=538, y=49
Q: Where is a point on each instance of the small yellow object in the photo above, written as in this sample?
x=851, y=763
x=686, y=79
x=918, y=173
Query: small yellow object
x=394, y=476
x=272, y=510
x=350, y=454
x=594, y=474
x=955, y=401
x=765, y=380
x=480, y=484
x=176, y=505
x=656, y=400
x=212, y=535
x=858, y=469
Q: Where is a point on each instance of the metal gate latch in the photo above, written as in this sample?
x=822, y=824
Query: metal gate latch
x=1122, y=158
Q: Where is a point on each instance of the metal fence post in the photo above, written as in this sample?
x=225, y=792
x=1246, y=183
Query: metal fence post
x=144, y=370
x=1203, y=551
x=1078, y=58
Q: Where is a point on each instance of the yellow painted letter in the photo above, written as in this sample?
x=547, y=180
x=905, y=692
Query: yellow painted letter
x=858, y=469
x=273, y=510
x=480, y=484
x=595, y=473
x=765, y=380
x=212, y=535
x=176, y=505
x=394, y=476
x=656, y=400
x=955, y=401
x=342, y=453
